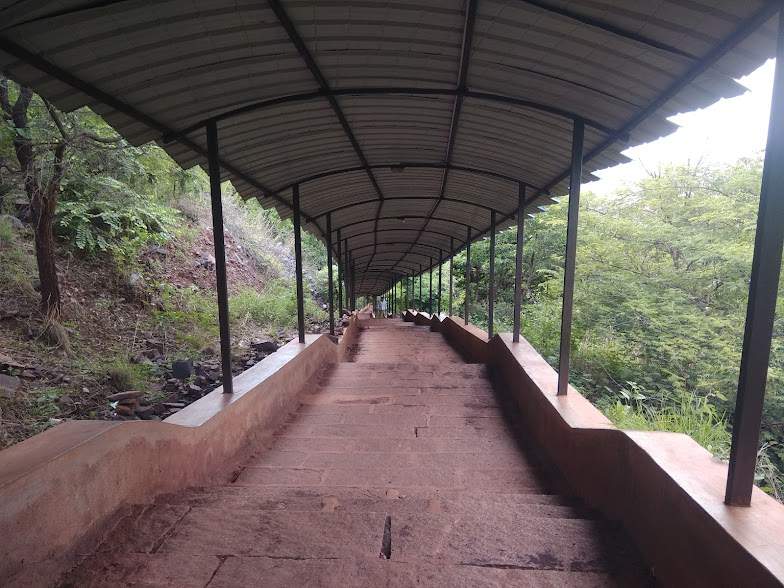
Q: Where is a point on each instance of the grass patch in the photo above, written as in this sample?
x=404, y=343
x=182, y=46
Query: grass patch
x=43, y=403
x=274, y=307
x=18, y=269
x=125, y=375
x=189, y=317
x=678, y=412
x=6, y=232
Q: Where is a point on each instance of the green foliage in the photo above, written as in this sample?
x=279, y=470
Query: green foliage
x=7, y=232
x=636, y=407
x=125, y=375
x=188, y=316
x=17, y=263
x=275, y=306
x=43, y=402
x=103, y=215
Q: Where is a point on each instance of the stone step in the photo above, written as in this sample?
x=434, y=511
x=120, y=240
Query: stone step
x=401, y=410
x=488, y=446
x=342, y=500
x=403, y=385
x=393, y=396
x=188, y=571
x=414, y=416
x=377, y=572
x=502, y=538
x=394, y=430
x=416, y=378
x=489, y=479
x=408, y=367
x=463, y=460
x=337, y=498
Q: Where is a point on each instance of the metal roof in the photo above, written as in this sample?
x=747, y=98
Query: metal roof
x=409, y=121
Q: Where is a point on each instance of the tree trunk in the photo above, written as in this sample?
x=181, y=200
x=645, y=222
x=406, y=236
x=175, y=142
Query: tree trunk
x=43, y=216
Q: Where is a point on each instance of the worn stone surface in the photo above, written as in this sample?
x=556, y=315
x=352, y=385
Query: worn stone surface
x=403, y=429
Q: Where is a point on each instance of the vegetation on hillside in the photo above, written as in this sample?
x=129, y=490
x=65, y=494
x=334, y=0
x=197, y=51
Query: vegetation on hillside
x=107, y=272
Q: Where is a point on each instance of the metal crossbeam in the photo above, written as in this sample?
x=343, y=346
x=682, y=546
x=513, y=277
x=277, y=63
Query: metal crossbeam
x=462, y=85
x=404, y=165
x=60, y=74
x=321, y=80
x=608, y=27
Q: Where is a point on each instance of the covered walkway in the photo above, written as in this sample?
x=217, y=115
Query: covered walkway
x=399, y=134
x=400, y=467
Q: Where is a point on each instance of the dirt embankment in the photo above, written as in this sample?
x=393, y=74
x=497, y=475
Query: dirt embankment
x=143, y=339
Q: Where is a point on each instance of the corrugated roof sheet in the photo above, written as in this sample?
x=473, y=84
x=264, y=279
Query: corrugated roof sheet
x=422, y=116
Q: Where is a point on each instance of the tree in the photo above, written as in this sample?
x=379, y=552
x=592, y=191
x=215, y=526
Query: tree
x=41, y=153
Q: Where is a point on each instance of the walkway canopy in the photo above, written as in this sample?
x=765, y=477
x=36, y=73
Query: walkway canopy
x=407, y=121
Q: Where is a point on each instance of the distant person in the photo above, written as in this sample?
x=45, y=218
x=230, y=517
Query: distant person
x=382, y=304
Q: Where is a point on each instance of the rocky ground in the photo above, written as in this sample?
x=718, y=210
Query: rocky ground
x=129, y=359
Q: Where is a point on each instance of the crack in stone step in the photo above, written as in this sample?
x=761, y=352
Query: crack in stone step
x=386, y=540
x=236, y=474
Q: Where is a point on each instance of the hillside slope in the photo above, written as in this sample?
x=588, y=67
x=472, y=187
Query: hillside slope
x=142, y=334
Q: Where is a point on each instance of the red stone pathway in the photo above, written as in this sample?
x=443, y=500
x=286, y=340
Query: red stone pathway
x=398, y=470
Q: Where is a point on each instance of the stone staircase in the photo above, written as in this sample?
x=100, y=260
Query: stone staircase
x=400, y=468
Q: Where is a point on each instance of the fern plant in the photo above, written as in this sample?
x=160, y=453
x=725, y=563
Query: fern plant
x=101, y=214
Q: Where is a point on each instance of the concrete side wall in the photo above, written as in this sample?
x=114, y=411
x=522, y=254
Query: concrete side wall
x=435, y=322
x=470, y=341
x=421, y=318
x=59, y=489
x=664, y=488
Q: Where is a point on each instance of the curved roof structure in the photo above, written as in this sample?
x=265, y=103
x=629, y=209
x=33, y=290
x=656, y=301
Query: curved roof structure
x=408, y=121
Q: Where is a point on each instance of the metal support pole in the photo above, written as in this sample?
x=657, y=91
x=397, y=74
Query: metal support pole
x=220, y=256
x=348, y=275
x=298, y=264
x=571, y=250
x=440, y=263
x=340, y=277
x=420, y=288
x=468, y=275
x=491, y=284
x=353, y=284
x=331, y=287
x=518, y=285
x=349, y=278
x=430, y=289
x=761, y=309
x=451, y=280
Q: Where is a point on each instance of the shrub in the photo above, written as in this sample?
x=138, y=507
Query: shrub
x=676, y=411
x=190, y=315
x=128, y=376
x=275, y=306
x=17, y=263
x=6, y=232
x=103, y=215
